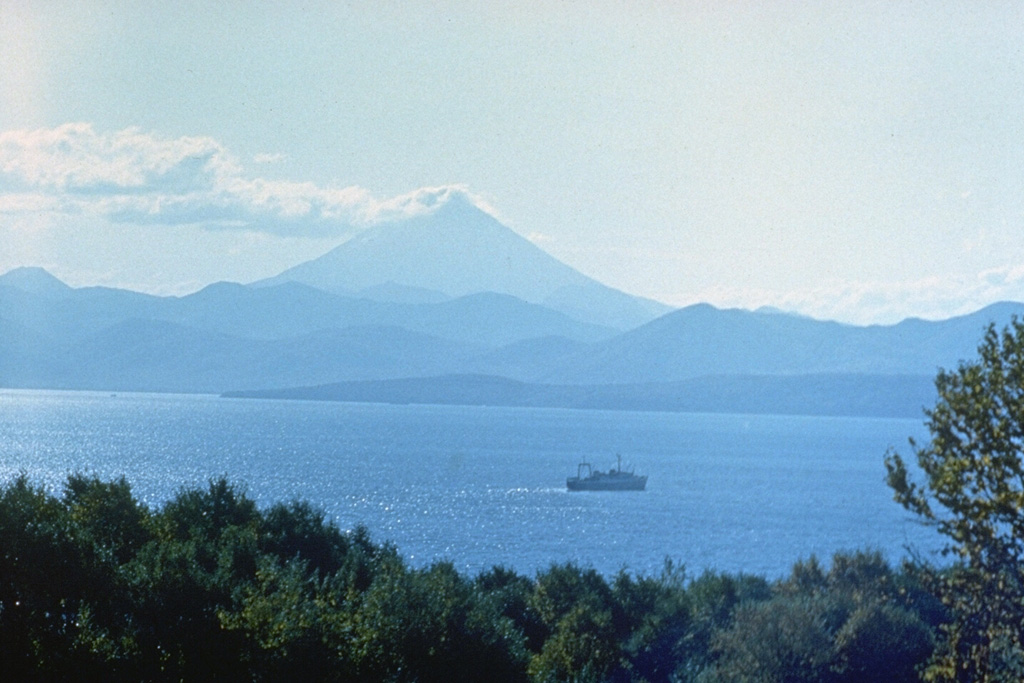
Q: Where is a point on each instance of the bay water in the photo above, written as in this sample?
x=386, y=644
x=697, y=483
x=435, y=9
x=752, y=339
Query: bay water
x=483, y=486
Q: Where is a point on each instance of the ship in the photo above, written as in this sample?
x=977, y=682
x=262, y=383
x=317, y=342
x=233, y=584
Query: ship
x=612, y=480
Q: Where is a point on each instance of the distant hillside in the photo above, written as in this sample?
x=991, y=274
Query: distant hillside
x=855, y=395
x=702, y=340
x=457, y=250
x=152, y=355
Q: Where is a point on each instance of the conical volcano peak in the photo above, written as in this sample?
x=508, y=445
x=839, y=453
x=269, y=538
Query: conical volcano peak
x=444, y=241
x=455, y=248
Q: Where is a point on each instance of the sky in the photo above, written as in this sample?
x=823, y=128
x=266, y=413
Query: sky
x=859, y=161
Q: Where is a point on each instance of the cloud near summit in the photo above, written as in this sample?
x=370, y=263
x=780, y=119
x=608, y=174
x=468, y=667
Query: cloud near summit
x=133, y=177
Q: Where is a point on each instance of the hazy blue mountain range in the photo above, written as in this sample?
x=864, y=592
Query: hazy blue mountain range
x=703, y=340
x=454, y=307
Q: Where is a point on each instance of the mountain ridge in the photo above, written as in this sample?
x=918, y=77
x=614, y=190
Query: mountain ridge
x=231, y=337
x=34, y=280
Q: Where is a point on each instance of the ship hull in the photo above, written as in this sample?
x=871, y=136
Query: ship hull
x=631, y=484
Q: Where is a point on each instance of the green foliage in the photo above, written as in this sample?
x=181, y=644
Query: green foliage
x=208, y=587
x=580, y=614
x=509, y=596
x=204, y=549
x=299, y=530
x=856, y=621
x=881, y=642
x=108, y=514
x=787, y=638
x=205, y=515
x=660, y=623
x=582, y=647
x=563, y=587
x=714, y=598
x=42, y=565
x=973, y=493
x=296, y=624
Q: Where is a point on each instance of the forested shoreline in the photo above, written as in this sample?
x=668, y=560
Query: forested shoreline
x=93, y=584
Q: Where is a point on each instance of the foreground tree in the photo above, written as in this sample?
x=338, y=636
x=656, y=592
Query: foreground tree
x=973, y=493
x=95, y=585
x=856, y=622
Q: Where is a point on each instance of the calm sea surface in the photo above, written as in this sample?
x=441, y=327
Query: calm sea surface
x=486, y=486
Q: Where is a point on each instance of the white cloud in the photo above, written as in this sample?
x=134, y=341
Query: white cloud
x=268, y=158
x=28, y=202
x=134, y=177
x=74, y=159
x=423, y=201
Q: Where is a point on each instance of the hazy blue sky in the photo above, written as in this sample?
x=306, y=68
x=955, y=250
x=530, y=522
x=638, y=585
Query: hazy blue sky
x=861, y=161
